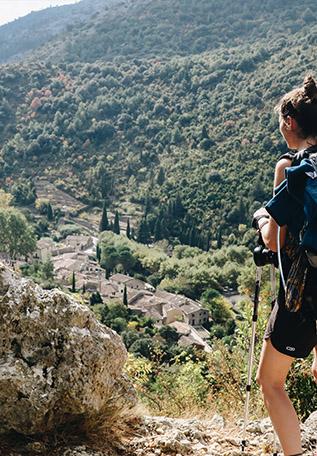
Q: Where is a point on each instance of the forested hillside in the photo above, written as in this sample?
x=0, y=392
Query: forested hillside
x=151, y=28
x=145, y=130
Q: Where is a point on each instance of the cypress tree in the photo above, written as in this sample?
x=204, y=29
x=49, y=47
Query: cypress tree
x=128, y=230
x=179, y=208
x=147, y=207
x=125, y=296
x=49, y=214
x=73, y=283
x=157, y=230
x=161, y=176
x=116, y=225
x=242, y=211
x=104, y=223
x=98, y=252
x=170, y=208
x=192, y=236
x=185, y=235
x=208, y=241
x=143, y=232
x=204, y=133
x=219, y=237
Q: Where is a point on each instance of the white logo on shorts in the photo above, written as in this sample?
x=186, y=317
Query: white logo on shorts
x=291, y=349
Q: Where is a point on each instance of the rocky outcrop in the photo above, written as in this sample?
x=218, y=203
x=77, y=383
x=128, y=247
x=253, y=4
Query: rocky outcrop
x=182, y=437
x=58, y=364
x=161, y=436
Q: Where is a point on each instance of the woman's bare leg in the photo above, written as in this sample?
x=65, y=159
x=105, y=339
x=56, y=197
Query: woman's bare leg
x=272, y=372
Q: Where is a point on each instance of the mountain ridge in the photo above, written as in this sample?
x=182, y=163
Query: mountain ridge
x=204, y=119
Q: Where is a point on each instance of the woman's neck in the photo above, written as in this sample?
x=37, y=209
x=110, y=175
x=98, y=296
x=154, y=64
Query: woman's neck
x=306, y=143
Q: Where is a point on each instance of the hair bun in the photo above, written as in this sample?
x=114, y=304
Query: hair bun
x=310, y=88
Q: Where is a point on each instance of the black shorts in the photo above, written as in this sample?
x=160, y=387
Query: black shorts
x=290, y=333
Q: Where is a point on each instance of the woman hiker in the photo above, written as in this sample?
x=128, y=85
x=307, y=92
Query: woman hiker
x=289, y=334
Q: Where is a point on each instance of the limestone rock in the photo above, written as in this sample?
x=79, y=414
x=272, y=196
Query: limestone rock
x=57, y=362
x=311, y=422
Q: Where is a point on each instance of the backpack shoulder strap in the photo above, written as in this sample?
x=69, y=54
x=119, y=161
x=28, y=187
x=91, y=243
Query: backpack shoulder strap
x=297, y=157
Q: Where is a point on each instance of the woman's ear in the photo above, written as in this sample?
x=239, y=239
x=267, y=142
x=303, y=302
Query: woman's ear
x=291, y=124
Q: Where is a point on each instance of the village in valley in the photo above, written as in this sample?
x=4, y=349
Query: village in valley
x=75, y=257
x=75, y=263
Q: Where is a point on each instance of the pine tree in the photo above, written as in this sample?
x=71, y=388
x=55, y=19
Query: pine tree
x=128, y=230
x=73, y=283
x=125, y=296
x=116, y=225
x=104, y=223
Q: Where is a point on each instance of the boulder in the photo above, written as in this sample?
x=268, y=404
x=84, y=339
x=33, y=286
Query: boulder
x=58, y=364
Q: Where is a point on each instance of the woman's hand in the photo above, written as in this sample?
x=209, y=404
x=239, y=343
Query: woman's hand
x=314, y=366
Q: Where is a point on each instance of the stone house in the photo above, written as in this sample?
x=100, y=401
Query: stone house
x=79, y=242
x=124, y=280
x=44, y=247
x=194, y=315
x=171, y=313
x=109, y=290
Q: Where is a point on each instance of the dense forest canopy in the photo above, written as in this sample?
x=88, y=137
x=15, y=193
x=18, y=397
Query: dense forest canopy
x=149, y=100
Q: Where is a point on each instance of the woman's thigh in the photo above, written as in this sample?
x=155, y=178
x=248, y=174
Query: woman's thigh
x=273, y=366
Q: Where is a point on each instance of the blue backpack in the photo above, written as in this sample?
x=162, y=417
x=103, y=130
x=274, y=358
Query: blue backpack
x=295, y=205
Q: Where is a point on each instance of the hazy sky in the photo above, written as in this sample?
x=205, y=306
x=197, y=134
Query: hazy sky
x=12, y=9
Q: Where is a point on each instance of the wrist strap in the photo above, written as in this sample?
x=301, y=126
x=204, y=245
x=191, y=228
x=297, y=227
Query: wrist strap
x=264, y=223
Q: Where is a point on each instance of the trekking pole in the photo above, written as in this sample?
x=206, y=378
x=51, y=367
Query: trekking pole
x=244, y=442
x=273, y=300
